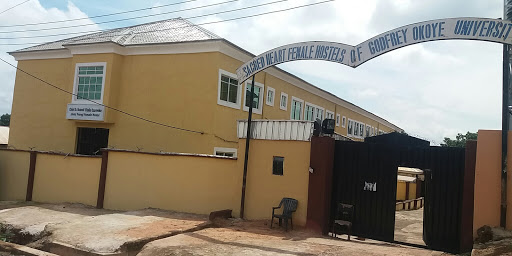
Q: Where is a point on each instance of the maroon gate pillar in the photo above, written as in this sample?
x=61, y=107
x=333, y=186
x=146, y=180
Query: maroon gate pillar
x=320, y=184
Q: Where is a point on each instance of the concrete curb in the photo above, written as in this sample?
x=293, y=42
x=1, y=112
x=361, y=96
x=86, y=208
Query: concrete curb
x=127, y=249
x=23, y=250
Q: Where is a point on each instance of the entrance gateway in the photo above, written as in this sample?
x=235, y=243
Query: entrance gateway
x=438, y=233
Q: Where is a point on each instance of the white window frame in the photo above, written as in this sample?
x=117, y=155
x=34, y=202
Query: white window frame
x=353, y=127
x=359, y=124
x=225, y=150
x=281, y=102
x=238, y=94
x=329, y=112
x=367, y=130
x=262, y=91
x=313, y=106
x=270, y=89
x=338, y=120
x=75, y=83
x=301, y=109
x=344, y=122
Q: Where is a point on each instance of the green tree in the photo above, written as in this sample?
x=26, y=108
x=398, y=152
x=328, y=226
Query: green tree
x=5, y=120
x=460, y=140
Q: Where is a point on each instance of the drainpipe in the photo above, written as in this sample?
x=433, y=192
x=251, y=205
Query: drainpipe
x=247, y=141
x=505, y=120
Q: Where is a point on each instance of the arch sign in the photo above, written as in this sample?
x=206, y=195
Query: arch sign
x=492, y=30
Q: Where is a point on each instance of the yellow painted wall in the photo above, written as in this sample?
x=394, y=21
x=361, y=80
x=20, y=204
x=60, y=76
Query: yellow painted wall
x=488, y=180
x=179, y=183
x=14, y=167
x=66, y=179
x=401, y=189
x=265, y=190
x=165, y=88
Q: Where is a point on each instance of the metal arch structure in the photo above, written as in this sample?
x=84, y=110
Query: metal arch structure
x=482, y=29
x=464, y=28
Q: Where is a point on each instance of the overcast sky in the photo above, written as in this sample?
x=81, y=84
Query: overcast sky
x=431, y=90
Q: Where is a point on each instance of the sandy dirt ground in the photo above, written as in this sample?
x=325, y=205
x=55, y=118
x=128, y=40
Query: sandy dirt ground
x=95, y=230
x=256, y=238
x=409, y=226
x=170, y=233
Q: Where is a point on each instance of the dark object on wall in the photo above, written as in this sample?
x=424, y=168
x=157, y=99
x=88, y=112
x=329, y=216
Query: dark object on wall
x=90, y=141
x=328, y=126
x=223, y=214
x=397, y=139
x=289, y=207
x=317, y=128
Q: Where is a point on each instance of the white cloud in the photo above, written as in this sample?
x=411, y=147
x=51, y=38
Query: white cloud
x=31, y=12
x=432, y=90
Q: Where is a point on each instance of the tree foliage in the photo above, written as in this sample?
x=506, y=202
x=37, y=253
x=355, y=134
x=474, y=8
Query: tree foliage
x=5, y=120
x=460, y=140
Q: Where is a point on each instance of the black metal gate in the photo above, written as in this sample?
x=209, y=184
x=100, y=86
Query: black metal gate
x=444, y=180
x=365, y=175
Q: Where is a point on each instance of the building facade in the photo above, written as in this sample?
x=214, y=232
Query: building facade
x=170, y=72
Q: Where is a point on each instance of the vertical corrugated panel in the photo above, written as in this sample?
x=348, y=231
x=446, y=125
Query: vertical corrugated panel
x=294, y=130
x=300, y=132
x=356, y=163
x=287, y=131
x=277, y=130
x=282, y=130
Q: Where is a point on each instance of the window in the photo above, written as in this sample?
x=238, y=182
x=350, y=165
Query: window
x=356, y=129
x=277, y=165
x=271, y=92
x=313, y=112
x=89, y=81
x=338, y=117
x=367, y=134
x=91, y=140
x=225, y=151
x=343, y=122
x=284, y=101
x=229, y=90
x=296, y=108
x=257, y=103
x=373, y=131
x=350, y=127
x=329, y=114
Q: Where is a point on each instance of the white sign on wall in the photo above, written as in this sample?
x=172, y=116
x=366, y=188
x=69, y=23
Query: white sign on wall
x=88, y=112
x=492, y=30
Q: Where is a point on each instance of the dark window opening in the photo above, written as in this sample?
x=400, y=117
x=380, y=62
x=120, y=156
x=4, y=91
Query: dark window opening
x=91, y=140
x=277, y=165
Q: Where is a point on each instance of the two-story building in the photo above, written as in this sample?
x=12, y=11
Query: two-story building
x=170, y=72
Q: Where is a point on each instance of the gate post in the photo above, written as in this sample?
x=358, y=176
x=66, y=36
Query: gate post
x=320, y=184
x=468, y=196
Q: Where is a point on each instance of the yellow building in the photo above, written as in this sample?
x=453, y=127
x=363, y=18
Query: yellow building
x=171, y=72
